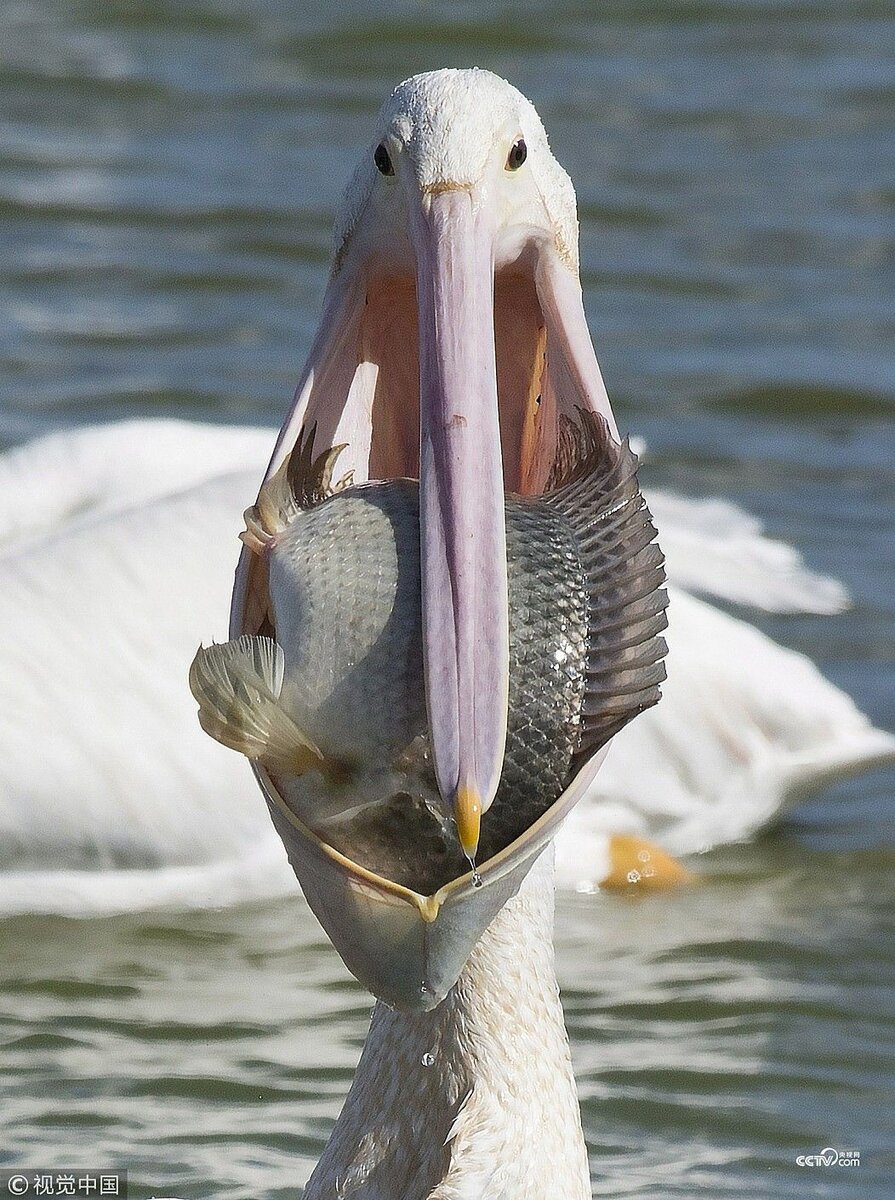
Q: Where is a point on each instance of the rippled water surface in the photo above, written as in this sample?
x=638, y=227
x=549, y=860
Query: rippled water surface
x=168, y=176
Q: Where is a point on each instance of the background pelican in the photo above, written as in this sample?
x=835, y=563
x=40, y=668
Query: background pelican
x=132, y=806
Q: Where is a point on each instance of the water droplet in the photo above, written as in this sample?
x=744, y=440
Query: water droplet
x=643, y=856
x=428, y=1059
x=633, y=877
x=476, y=877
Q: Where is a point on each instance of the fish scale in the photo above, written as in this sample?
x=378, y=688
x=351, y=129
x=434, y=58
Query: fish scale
x=344, y=585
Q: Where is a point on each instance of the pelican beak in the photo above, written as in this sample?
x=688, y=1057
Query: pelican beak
x=462, y=532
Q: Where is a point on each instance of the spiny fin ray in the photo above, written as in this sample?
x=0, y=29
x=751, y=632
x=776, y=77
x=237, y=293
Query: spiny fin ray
x=597, y=492
x=311, y=479
x=301, y=481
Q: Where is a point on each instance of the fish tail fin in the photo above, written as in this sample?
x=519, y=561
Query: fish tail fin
x=237, y=686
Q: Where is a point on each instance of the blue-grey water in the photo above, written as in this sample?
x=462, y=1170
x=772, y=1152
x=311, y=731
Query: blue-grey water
x=168, y=176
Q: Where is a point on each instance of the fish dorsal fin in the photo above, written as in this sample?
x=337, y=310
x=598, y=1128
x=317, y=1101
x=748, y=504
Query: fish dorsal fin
x=311, y=479
x=300, y=482
x=237, y=686
x=624, y=570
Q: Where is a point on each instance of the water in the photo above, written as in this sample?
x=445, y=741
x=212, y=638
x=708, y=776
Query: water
x=168, y=174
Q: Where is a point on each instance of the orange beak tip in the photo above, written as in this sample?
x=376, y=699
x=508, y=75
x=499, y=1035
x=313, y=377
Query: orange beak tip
x=468, y=815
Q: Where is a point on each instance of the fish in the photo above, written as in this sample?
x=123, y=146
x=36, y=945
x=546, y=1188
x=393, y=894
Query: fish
x=329, y=697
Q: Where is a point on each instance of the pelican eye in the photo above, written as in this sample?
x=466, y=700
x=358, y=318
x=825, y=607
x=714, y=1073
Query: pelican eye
x=517, y=155
x=383, y=161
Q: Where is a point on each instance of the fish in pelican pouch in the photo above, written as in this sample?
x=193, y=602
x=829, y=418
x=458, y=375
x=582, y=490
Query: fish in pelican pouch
x=328, y=698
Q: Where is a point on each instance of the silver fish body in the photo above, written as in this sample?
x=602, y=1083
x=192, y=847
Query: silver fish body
x=345, y=601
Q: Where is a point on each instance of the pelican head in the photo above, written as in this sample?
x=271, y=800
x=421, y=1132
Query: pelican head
x=453, y=348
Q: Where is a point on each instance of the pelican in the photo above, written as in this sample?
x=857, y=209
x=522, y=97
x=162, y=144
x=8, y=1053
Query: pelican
x=453, y=348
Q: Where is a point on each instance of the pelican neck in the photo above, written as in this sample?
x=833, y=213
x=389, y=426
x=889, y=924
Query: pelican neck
x=476, y=1098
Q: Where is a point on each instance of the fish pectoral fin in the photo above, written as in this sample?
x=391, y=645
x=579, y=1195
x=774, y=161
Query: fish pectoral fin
x=237, y=687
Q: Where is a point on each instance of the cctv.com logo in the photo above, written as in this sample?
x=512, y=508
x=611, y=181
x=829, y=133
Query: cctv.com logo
x=828, y=1157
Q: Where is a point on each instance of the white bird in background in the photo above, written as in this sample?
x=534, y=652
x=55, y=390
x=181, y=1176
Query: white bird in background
x=118, y=546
